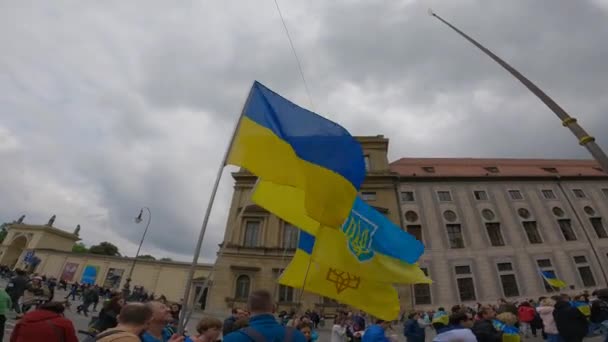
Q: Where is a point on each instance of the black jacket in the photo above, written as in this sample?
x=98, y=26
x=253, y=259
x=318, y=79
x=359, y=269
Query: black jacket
x=571, y=323
x=228, y=326
x=485, y=332
x=17, y=285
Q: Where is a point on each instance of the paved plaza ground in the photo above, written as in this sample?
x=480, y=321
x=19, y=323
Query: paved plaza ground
x=81, y=322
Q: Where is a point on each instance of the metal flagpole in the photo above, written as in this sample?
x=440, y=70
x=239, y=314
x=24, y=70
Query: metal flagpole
x=237, y=220
x=567, y=121
x=201, y=235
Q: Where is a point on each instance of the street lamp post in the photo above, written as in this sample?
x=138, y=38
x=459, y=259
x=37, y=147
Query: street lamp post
x=138, y=219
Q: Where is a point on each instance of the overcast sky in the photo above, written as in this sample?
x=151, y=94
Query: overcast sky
x=108, y=106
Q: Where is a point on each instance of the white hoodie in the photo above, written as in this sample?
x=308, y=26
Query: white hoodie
x=456, y=335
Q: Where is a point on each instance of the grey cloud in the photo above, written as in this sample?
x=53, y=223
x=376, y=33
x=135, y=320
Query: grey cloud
x=107, y=108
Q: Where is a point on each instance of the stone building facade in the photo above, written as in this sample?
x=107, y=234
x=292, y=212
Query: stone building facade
x=491, y=225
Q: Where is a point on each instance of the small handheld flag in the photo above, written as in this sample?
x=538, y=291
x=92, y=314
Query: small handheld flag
x=552, y=280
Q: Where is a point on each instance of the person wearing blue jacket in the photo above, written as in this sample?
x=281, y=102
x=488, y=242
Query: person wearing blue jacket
x=263, y=326
x=376, y=332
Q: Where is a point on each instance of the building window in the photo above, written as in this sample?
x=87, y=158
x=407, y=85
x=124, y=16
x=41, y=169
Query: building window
x=290, y=236
x=523, y=213
x=367, y=164
x=584, y=270
x=411, y=216
x=416, y=231
x=557, y=211
x=515, y=195
x=600, y=231
x=586, y=276
x=605, y=192
x=494, y=233
x=507, y=279
x=450, y=216
x=589, y=211
x=455, y=236
x=578, y=193
x=480, y=195
x=285, y=294
x=252, y=231
x=566, y=227
x=368, y=195
x=509, y=285
x=422, y=292
x=545, y=266
x=532, y=232
x=429, y=169
x=407, y=196
x=488, y=214
x=548, y=194
x=242, y=287
x=444, y=196
x=464, y=280
x=464, y=269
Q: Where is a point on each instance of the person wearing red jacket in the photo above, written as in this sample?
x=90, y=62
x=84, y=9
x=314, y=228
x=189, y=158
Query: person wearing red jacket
x=525, y=314
x=46, y=323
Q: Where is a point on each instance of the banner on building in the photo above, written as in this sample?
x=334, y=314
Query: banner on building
x=89, y=275
x=113, y=278
x=69, y=270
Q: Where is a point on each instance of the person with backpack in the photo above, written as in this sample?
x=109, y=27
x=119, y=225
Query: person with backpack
x=414, y=328
x=525, y=314
x=263, y=326
x=132, y=321
x=46, y=323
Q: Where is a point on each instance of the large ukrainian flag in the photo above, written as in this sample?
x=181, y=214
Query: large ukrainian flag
x=367, y=242
x=310, y=157
x=552, y=280
x=376, y=298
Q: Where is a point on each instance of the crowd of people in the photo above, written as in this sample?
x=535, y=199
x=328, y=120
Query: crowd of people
x=559, y=318
x=130, y=316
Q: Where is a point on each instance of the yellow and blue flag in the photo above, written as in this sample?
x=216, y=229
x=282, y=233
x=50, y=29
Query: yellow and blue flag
x=291, y=147
x=367, y=242
x=583, y=307
x=376, y=298
x=552, y=280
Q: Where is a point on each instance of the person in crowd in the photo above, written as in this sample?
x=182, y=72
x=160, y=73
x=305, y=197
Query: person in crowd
x=73, y=291
x=241, y=323
x=35, y=293
x=440, y=319
x=458, y=330
x=262, y=323
x=175, y=310
x=157, y=330
x=377, y=332
x=132, y=321
x=5, y=305
x=571, y=324
x=89, y=296
x=208, y=329
x=484, y=328
x=16, y=288
x=46, y=323
x=525, y=314
x=229, y=322
x=599, y=311
x=338, y=330
x=414, y=328
x=306, y=329
x=506, y=323
x=582, y=305
x=545, y=310
x=107, y=315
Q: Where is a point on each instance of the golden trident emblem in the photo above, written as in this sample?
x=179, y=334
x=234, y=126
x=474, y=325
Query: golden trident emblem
x=343, y=280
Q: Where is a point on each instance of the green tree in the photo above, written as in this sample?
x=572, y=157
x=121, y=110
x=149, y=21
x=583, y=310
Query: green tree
x=3, y=231
x=166, y=259
x=80, y=248
x=104, y=248
x=146, y=257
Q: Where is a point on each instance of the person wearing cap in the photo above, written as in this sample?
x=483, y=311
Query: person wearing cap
x=377, y=332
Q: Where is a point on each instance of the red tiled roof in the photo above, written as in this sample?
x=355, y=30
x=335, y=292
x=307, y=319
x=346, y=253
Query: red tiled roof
x=472, y=167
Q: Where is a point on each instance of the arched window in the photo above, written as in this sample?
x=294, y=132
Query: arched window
x=242, y=287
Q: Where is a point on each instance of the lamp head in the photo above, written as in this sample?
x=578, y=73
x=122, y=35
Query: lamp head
x=138, y=218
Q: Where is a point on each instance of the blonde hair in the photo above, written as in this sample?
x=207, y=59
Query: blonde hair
x=547, y=302
x=507, y=318
x=207, y=323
